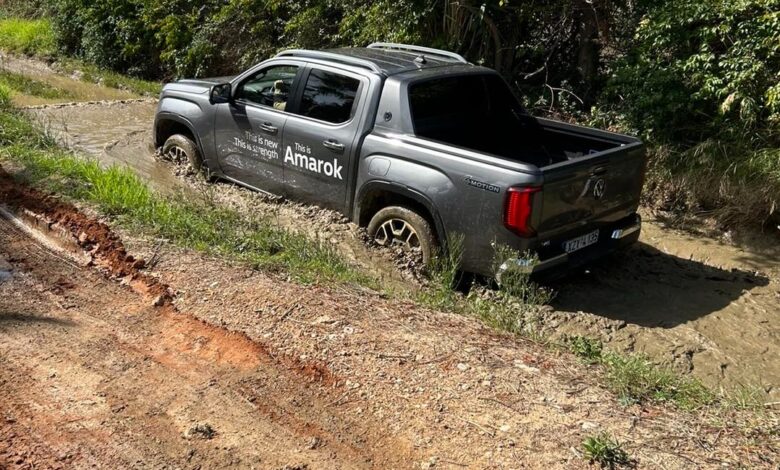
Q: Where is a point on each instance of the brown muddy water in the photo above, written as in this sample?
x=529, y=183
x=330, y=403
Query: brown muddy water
x=705, y=305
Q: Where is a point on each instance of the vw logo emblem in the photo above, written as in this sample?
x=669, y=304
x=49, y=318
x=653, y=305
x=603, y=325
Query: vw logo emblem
x=599, y=188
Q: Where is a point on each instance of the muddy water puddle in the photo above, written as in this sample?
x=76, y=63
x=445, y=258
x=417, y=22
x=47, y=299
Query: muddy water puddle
x=117, y=133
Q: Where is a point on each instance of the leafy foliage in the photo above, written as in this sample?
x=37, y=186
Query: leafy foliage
x=698, y=79
x=701, y=68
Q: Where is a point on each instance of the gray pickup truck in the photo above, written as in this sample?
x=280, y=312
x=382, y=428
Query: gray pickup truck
x=416, y=144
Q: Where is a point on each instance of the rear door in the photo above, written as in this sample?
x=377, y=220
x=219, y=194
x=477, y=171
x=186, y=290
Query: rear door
x=321, y=133
x=249, y=131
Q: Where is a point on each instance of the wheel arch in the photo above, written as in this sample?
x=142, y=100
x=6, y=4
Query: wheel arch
x=166, y=125
x=376, y=195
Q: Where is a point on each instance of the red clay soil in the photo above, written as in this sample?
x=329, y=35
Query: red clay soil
x=96, y=238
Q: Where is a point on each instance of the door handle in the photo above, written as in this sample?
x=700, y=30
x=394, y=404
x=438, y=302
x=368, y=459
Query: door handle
x=268, y=127
x=333, y=145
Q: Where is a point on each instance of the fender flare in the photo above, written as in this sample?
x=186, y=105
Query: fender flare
x=404, y=191
x=166, y=116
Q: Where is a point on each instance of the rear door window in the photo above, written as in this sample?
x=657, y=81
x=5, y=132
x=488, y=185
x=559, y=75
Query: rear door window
x=329, y=96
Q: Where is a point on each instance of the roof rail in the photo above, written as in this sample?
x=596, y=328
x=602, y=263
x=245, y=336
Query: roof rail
x=424, y=50
x=344, y=59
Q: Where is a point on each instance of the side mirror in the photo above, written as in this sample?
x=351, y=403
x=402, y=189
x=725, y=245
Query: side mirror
x=220, y=93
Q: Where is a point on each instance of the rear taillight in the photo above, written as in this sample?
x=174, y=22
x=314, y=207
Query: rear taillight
x=517, y=212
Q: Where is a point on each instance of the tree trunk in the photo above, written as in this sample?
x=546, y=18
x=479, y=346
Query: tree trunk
x=589, y=48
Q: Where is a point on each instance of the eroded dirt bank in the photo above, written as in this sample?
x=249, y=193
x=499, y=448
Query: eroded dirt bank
x=701, y=304
x=246, y=370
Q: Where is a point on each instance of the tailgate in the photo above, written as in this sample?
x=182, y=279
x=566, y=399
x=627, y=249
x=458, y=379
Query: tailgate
x=588, y=191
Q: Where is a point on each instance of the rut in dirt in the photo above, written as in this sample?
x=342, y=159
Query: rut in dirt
x=182, y=381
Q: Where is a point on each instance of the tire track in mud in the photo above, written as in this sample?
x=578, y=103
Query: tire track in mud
x=174, y=370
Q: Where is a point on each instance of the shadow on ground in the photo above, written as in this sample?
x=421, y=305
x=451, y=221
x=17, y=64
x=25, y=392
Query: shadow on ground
x=647, y=287
x=14, y=317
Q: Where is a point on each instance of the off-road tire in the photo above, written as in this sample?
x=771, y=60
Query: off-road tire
x=424, y=233
x=184, y=144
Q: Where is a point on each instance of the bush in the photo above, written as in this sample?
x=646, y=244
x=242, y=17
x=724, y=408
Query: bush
x=700, y=70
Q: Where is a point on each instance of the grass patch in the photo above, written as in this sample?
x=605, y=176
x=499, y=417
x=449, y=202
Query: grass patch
x=587, y=349
x=745, y=398
x=191, y=222
x=606, y=451
x=512, y=307
x=5, y=96
x=93, y=74
x=29, y=37
x=28, y=86
x=634, y=379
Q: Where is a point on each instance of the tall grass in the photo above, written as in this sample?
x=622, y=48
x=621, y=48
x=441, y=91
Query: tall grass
x=30, y=37
x=738, y=185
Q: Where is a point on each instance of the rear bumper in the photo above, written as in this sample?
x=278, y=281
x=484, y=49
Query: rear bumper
x=613, y=237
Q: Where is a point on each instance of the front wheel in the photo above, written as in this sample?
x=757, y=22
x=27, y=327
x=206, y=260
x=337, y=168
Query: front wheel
x=397, y=226
x=182, y=150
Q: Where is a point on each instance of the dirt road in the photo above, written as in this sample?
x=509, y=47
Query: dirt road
x=243, y=370
x=705, y=304
x=195, y=363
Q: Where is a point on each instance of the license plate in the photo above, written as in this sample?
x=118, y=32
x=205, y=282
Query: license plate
x=581, y=242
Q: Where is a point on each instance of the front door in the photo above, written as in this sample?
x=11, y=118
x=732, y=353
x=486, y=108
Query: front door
x=250, y=129
x=320, y=136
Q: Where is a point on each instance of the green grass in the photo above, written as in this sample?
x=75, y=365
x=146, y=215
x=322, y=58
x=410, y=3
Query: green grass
x=37, y=38
x=30, y=37
x=93, y=74
x=634, y=379
x=28, y=86
x=605, y=451
x=511, y=308
x=587, y=349
x=191, y=222
x=5, y=96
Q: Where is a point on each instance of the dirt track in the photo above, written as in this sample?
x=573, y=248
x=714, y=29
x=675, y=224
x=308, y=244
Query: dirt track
x=245, y=370
x=703, y=304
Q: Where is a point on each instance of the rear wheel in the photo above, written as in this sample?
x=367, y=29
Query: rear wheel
x=399, y=227
x=182, y=150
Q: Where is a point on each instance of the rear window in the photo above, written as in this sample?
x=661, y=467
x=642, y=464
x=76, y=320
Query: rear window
x=329, y=96
x=469, y=96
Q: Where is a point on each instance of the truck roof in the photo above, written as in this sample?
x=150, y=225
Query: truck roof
x=385, y=58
